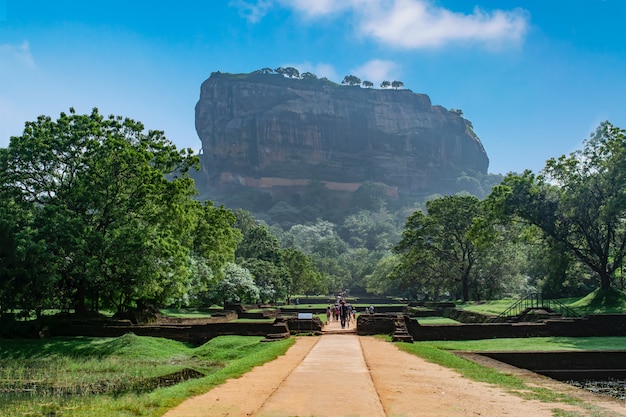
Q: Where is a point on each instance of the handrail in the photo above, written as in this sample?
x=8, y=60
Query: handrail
x=535, y=300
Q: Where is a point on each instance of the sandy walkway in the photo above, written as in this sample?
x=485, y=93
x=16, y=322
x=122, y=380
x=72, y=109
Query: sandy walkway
x=347, y=375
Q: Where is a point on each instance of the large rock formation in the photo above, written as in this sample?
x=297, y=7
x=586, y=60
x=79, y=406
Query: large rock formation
x=268, y=131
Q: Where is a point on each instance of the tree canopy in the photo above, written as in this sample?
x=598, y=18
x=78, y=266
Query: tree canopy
x=351, y=80
x=97, y=209
x=579, y=201
x=443, y=245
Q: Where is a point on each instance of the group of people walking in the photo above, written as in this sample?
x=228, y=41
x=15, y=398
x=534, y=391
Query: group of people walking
x=341, y=311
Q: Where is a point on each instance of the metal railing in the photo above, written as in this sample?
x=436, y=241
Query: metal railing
x=536, y=301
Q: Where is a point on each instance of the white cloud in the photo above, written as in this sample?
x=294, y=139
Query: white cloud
x=17, y=55
x=415, y=24
x=419, y=24
x=252, y=11
x=376, y=70
x=321, y=7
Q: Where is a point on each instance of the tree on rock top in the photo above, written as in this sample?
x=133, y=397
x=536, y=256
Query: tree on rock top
x=351, y=80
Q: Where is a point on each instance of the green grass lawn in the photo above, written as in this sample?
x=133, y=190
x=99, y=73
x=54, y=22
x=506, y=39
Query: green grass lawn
x=436, y=320
x=122, y=376
x=492, y=307
x=532, y=344
x=184, y=313
x=610, y=301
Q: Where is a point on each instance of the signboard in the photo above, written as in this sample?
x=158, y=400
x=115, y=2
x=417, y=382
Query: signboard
x=305, y=316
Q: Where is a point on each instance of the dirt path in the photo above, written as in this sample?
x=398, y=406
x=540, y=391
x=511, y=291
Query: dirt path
x=347, y=375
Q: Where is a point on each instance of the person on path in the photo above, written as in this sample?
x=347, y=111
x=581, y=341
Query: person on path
x=348, y=314
x=336, y=312
x=343, y=314
x=328, y=314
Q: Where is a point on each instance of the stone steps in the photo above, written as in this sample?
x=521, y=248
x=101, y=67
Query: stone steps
x=401, y=333
x=272, y=337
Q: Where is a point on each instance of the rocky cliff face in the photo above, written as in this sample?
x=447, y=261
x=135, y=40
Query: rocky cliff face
x=268, y=131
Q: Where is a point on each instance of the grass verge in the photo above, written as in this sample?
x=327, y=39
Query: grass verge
x=476, y=372
x=124, y=376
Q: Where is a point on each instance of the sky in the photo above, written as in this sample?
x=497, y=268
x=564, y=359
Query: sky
x=534, y=77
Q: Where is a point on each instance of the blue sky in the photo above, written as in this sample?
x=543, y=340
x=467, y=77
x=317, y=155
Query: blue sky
x=535, y=77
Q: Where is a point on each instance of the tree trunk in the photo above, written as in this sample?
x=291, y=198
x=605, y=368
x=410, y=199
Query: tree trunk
x=79, y=298
x=465, y=284
x=605, y=281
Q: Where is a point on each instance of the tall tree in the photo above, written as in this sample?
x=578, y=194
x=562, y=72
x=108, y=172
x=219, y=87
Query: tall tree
x=578, y=201
x=450, y=236
x=303, y=276
x=110, y=202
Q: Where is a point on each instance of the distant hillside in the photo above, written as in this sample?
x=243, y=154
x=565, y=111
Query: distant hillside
x=268, y=132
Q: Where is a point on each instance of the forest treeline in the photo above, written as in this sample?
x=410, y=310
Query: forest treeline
x=98, y=213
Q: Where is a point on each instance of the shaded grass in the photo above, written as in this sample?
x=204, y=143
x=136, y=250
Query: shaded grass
x=68, y=363
x=611, y=301
x=492, y=307
x=601, y=302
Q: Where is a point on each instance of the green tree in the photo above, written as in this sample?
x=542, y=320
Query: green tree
x=370, y=196
x=237, y=286
x=418, y=269
x=397, y=84
x=367, y=84
x=257, y=241
x=379, y=281
x=551, y=268
x=215, y=237
x=27, y=275
x=292, y=72
x=351, y=80
x=319, y=238
x=303, y=276
x=202, y=278
x=370, y=230
x=110, y=202
x=358, y=263
x=269, y=278
x=578, y=201
x=446, y=242
x=385, y=84
x=260, y=253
